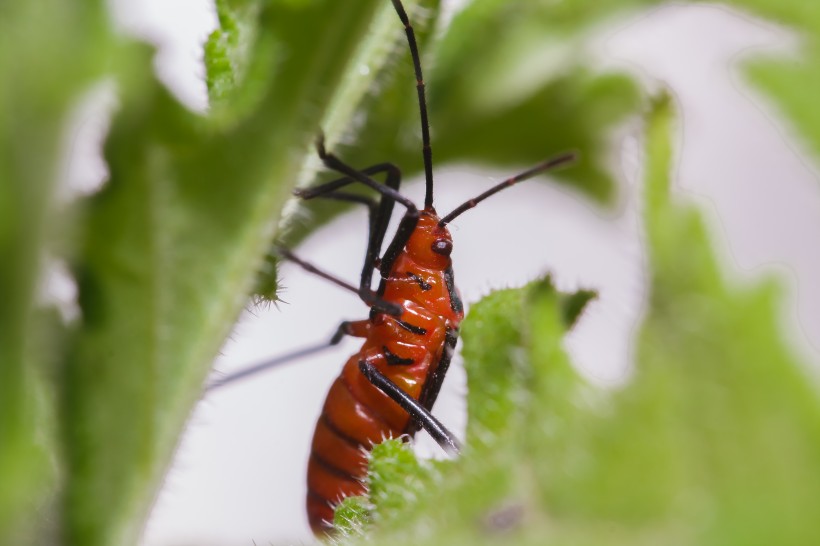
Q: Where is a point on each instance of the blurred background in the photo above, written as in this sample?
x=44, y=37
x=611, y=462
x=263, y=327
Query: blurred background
x=238, y=475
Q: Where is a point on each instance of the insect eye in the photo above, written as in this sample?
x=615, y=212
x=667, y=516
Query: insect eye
x=443, y=247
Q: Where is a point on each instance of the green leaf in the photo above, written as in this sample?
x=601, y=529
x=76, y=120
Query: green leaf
x=170, y=250
x=573, y=306
x=794, y=85
x=513, y=83
x=570, y=106
x=49, y=52
x=793, y=82
x=734, y=416
x=485, y=486
x=393, y=475
x=352, y=516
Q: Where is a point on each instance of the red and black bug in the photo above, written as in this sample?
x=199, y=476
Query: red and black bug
x=389, y=386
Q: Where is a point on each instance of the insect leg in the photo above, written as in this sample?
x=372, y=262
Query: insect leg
x=405, y=229
x=357, y=328
x=354, y=328
x=429, y=393
x=379, y=215
x=408, y=221
x=371, y=204
x=372, y=220
x=323, y=189
x=379, y=219
x=266, y=365
x=334, y=163
x=417, y=412
x=368, y=296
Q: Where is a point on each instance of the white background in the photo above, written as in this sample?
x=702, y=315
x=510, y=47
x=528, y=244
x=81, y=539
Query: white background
x=238, y=476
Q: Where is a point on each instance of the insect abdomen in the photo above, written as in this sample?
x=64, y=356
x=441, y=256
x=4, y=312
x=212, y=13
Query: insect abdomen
x=357, y=415
x=412, y=351
x=345, y=432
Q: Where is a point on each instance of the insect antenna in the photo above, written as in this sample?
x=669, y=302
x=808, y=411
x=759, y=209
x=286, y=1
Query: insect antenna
x=425, y=125
x=547, y=165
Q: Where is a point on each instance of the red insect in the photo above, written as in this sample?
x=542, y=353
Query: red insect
x=388, y=388
x=407, y=354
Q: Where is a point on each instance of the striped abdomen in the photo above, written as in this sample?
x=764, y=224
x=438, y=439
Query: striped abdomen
x=414, y=352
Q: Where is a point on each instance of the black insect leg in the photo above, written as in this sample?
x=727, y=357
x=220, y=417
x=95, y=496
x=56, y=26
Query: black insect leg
x=411, y=216
x=374, y=209
x=371, y=204
x=266, y=365
x=406, y=226
x=408, y=222
x=334, y=163
x=346, y=328
x=379, y=218
x=432, y=386
x=379, y=214
x=349, y=328
x=368, y=296
x=417, y=412
x=327, y=187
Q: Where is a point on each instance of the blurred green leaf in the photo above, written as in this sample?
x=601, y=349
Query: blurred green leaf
x=494, y=100
x=795, y=86
x=794, y=13
x=512, y=84
x=49, y=52
x=729, y=420
x=170, y=249
x=792, y=82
